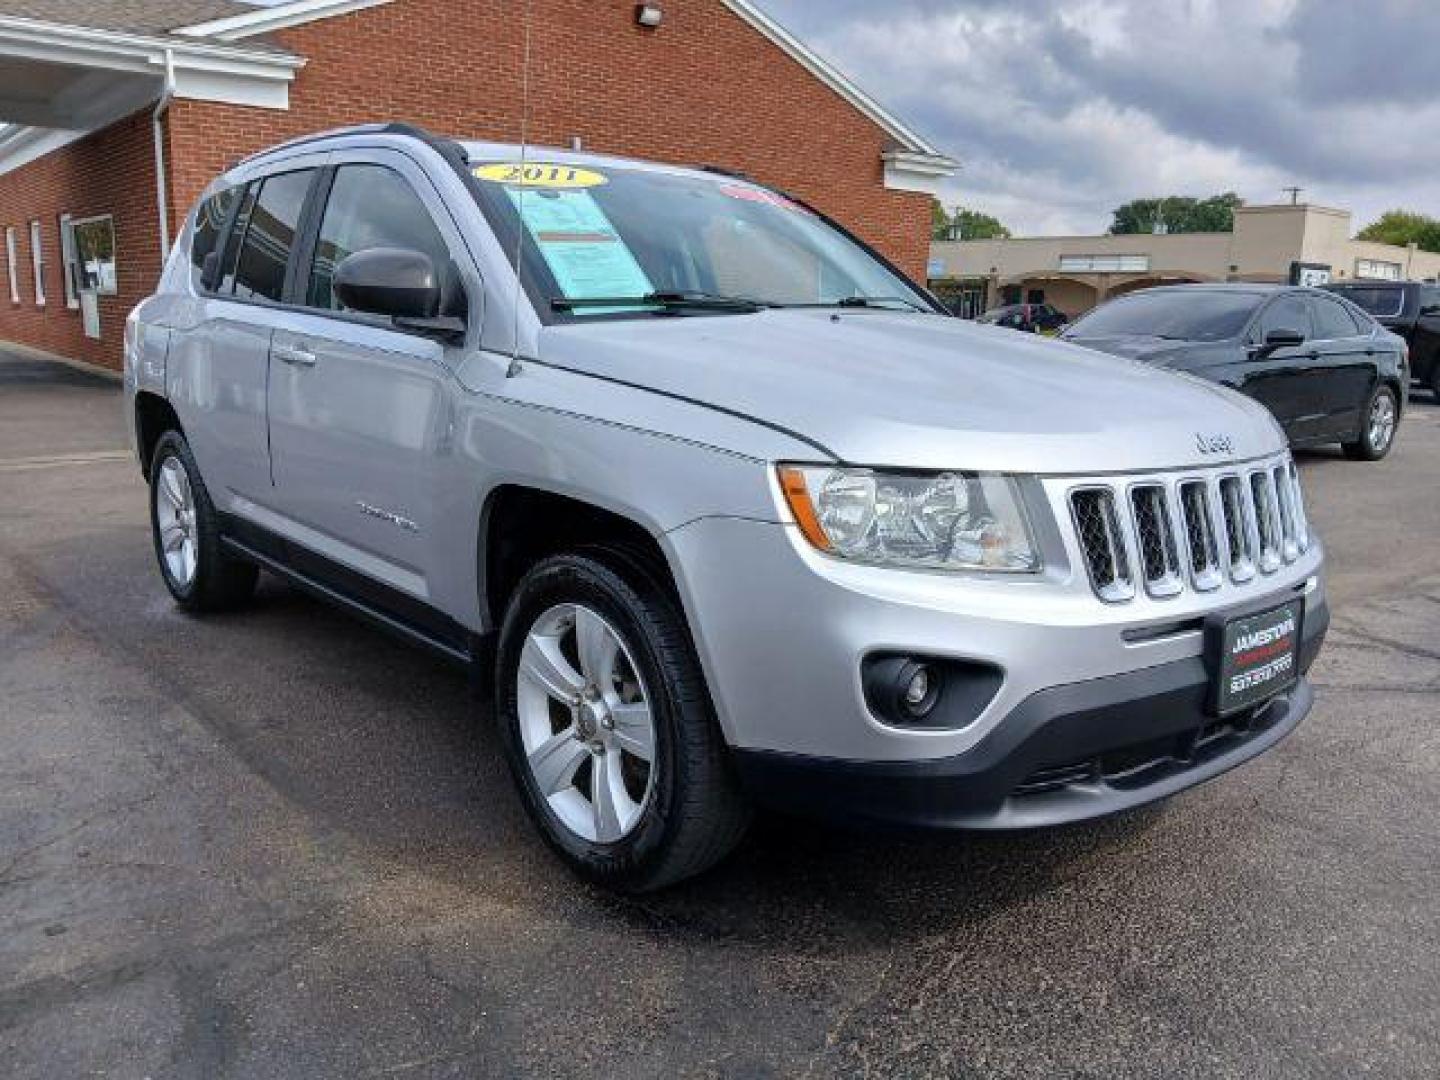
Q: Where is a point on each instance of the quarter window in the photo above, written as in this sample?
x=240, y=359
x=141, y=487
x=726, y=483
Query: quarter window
x=210, y=220
x=370, y=206
x=270, y=235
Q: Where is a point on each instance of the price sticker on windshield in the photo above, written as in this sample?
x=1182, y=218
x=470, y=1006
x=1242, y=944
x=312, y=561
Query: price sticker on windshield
x=540, y=174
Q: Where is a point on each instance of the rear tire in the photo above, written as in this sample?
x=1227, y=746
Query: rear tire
x=630, y=807
x=1378, y=425
x=186, y=533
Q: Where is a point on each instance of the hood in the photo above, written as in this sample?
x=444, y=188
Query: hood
x=921, y=391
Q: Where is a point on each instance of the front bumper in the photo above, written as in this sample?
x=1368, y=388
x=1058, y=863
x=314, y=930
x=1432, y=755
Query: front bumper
x=1065, y=754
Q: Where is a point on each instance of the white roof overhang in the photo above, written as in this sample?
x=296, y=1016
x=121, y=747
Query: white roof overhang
x=69, y=80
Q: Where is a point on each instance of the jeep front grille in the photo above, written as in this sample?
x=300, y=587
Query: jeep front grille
x=1163, y=533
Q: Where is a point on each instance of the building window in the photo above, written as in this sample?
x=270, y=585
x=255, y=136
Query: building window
x=10, y=260
x=1376, y=270
x=67, y=262
x=1106, y=264
x=89, y=249
x=37, y=262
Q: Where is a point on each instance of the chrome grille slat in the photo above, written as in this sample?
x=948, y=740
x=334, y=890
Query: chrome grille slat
x=1155, y=535
x=1267, y=521
x=1201, y=540
x=1239, y=522
x=1103, y=542
x=1202, y=531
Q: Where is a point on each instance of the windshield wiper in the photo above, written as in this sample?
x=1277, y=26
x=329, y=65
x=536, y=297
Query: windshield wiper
x=668, y=300
x=878, y=302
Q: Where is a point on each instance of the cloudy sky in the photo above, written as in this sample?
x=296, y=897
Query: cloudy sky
x=1060, y=111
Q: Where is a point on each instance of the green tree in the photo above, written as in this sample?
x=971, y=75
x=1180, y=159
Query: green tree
x=1403, y=227
x=965, y=224
x=939, y=221
x=1178, y=214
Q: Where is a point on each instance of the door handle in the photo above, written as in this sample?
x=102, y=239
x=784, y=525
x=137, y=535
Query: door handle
x=296, y=355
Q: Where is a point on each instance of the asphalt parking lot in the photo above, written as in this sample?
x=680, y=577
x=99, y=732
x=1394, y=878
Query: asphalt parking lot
x=278, y=844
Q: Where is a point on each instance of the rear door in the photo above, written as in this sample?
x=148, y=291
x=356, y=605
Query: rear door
x=1425, y=345
x=1345, y=370
x=360, y=413
x=1280, y=380
x=218, y=368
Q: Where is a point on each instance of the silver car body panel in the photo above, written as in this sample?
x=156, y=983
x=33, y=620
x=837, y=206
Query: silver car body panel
x=383, y=454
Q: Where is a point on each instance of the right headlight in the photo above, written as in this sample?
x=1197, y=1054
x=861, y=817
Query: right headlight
x=934, y=521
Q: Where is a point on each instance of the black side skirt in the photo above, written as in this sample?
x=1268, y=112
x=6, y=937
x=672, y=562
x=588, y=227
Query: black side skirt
x=379, y=605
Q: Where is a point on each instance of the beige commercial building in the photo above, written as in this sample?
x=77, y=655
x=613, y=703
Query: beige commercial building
x=1074, y=273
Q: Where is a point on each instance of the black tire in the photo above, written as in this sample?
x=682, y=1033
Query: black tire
x=1366, y=448
x=220, y=581
x=1435, y=378
x=695, y=813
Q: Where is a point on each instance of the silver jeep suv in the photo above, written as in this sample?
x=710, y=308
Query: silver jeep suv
x=734, y=513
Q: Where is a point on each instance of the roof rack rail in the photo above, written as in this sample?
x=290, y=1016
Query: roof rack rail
x=448, y=148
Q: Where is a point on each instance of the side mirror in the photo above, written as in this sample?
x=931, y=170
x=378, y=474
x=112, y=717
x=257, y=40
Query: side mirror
x=396, y=282
x=1280, y=338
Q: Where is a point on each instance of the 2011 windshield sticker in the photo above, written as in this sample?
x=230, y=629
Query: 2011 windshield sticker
x=540, y=174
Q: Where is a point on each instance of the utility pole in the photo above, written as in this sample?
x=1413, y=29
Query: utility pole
x=1294, y=193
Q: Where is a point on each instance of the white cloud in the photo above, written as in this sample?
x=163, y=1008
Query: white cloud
x=1060, y=114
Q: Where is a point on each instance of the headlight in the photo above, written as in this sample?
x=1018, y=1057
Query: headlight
x=937, y=521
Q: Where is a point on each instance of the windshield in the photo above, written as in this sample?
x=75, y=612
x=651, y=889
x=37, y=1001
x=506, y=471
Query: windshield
x=1179, y=314
x=604, y=232
x=1382, y=301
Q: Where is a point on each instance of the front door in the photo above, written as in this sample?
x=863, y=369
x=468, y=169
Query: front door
x=360, y=413
x=1280, y=380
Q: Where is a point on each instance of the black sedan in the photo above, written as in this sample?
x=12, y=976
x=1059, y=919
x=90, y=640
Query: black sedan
x=1031, y=318
x=1325, y=369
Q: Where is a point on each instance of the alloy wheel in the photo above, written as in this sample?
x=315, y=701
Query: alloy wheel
x=586, y=724
x=1382, y=422
x=176, y=520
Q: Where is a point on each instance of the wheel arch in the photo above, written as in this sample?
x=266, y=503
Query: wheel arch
x=522, y=523
x=154, y=416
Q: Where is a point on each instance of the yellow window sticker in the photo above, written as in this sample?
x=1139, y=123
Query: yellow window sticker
x=540, y=174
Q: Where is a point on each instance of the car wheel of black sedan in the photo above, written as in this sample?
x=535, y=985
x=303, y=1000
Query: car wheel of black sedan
x=1377, y=431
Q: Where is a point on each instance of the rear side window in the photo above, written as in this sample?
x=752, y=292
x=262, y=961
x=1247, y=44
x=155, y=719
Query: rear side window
x=270, y=235
x=1287, y=313
x=370, y=206
x=210, y=221
x=1331, y=319
x=1383, y=301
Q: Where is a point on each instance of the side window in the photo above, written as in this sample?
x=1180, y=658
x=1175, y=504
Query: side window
x=1287, y=313
x=270, y=234
x=1331, y=320
x=369, y=206
x=210, y=219
x=1430, y=301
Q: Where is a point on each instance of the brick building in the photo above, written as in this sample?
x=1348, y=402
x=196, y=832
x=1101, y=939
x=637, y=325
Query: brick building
x=112, y=110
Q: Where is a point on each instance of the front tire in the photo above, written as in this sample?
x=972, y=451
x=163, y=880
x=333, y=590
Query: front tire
x=1378, y=426
x=608, y=728
x=186, y=532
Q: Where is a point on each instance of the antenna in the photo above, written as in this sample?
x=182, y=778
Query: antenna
x=1294, y=193
x=514, y=368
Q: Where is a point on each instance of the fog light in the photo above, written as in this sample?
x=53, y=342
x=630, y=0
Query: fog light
x=918, y=689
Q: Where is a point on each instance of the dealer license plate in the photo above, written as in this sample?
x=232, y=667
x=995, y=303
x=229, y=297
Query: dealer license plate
x=1259, y=657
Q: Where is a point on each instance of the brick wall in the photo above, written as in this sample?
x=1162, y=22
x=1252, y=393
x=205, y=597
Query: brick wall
x=109, y=172
x=705, y=88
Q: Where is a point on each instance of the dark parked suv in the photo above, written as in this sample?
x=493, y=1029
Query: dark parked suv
x=1410, y=309
x=1325, y=369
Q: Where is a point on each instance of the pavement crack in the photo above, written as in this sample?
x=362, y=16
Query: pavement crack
x=64, y=834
